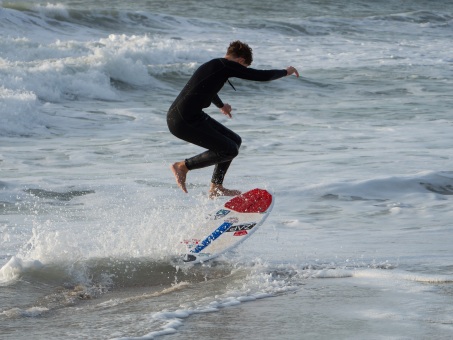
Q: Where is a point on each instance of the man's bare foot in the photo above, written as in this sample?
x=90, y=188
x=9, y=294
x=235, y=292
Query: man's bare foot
x=180, y=171
x=217, y=190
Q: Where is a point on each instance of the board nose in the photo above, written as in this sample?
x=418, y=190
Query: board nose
x=253, y=201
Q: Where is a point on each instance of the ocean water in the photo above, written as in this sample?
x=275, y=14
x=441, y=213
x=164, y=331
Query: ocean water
x=357, y=152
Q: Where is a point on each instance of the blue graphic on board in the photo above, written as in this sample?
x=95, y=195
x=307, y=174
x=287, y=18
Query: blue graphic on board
x=214, y=235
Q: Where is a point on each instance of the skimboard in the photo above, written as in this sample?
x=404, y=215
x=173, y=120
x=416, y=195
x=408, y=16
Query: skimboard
x=229, y=225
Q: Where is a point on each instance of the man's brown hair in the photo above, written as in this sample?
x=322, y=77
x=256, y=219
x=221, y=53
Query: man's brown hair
x=238, y=49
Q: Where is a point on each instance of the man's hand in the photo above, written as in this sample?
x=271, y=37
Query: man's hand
x=226, y=110
x=291, y=70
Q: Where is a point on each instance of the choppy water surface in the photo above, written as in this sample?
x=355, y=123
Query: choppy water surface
x=357, y=152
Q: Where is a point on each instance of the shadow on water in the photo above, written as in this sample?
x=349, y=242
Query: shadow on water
x=54, y=286
x=62, y=196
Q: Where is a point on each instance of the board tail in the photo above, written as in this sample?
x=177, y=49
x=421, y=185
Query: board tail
x=189, y=258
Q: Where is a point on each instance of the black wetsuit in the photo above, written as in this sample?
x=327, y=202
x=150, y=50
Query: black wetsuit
x=187, y=121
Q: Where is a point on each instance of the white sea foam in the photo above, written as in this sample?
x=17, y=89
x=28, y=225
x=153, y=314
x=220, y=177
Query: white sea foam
x=19, y=111
x=170, y=321
x=399, y=276
x=12, y=270
x=77, y=70
x=28, y=313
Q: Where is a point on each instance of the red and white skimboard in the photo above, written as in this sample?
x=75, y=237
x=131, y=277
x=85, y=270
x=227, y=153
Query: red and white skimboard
x=228, y=226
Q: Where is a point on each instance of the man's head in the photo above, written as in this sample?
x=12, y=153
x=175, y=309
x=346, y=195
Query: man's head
x=240, y=50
